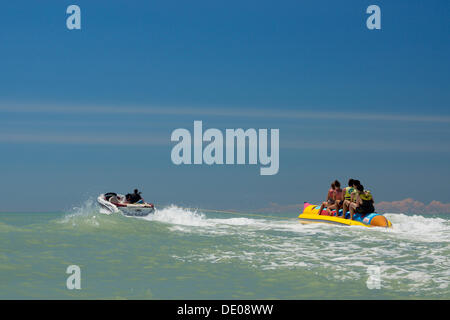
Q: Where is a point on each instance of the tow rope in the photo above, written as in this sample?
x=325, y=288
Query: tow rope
x=237, y=213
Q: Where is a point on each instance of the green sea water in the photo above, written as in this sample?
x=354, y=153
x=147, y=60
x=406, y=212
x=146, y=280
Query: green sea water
x=185, y=254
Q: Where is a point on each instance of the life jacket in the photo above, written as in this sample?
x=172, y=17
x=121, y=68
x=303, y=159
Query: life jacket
x=366, y=196
x=366, y=205
x=348, y=193
x=366, y=201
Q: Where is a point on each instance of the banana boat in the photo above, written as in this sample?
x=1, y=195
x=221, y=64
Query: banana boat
x=310, y=214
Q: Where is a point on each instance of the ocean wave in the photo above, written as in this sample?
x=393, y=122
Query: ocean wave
x=412, y=256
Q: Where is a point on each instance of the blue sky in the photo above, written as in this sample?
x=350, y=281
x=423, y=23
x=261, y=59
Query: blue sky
x=92, y=110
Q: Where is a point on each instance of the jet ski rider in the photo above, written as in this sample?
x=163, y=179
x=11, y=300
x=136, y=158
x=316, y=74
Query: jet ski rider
x=134, y=197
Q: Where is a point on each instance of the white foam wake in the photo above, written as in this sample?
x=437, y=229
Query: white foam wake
x=420, y=228
x=179, y=216
x=188, y=217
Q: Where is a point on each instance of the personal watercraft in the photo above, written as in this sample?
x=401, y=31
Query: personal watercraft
x=311, y=214
x=116, y=203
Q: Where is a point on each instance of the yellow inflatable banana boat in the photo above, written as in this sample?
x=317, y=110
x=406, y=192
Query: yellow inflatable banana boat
x=310, y=214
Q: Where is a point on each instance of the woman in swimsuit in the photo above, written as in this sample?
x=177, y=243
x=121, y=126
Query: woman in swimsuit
x=330, y=198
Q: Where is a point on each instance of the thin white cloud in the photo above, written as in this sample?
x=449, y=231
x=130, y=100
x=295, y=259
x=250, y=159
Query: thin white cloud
x=82, y=139
x=100, y=137
x=105, y=138
x=378, y=145
x=222, y=112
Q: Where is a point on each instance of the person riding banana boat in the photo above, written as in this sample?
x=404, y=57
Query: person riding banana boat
x=350, y=194
x=357, y=207
x=335, y=199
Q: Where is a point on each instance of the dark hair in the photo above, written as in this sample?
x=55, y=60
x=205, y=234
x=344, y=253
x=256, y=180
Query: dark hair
x=337, y=184
x=356, y=183
x=351, y=182
x=333, y=185
x=136, y=191
x=360, y=188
